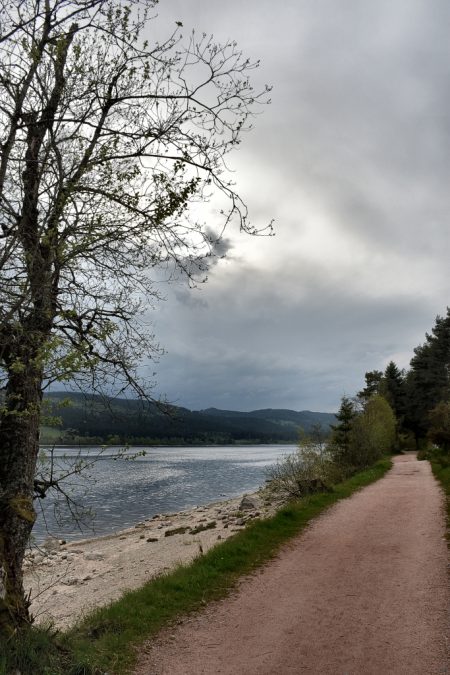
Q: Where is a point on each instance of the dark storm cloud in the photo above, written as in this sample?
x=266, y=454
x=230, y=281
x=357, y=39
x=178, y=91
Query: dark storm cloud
x=221, y=245
x=352, y=159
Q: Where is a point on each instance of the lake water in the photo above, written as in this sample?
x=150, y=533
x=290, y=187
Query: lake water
x=123, y=491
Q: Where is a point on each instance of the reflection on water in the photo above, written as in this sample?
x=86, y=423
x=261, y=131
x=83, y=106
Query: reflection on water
x=122, y=491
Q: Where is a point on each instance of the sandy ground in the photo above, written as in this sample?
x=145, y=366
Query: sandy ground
x=363, y=591
x=67, y=580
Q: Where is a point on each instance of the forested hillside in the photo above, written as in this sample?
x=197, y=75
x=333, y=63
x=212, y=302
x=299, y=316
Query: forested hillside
x=79, y=418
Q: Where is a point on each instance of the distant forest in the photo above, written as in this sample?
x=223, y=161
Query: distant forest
x=74, y=418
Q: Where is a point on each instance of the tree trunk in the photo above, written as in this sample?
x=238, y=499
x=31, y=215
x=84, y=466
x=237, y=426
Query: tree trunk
x=19, y=445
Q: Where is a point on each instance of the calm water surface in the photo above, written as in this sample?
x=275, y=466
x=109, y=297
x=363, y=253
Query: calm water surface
x=121, y=491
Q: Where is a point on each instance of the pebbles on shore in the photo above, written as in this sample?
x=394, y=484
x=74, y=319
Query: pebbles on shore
x=67, y=579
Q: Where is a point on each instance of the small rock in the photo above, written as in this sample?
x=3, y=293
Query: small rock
x=142, y=536
x=176, y=530
x=150, y=539
x=51, y=544
x=219, y=536
x=122, y=538
x=248, y=503
x=94, y=556
x=87, y=577
x=140, y=525
x=70, y=581
x=240, y=522
x=201, y=527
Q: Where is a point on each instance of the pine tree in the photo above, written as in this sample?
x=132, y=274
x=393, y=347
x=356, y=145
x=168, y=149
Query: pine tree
x=394, y=390
x=341, y=432
x=373, y=380
x=428, y=381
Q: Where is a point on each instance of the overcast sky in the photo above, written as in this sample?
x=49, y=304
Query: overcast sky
x=352, y=160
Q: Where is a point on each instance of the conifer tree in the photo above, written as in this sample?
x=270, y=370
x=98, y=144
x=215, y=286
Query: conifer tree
x=373, y=379
x=341, y=432
x=428, y=381
x=393, y=389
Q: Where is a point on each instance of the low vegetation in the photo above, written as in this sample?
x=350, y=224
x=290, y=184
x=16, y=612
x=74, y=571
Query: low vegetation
x=360, y=438
x=105, y=641
x=439, y=459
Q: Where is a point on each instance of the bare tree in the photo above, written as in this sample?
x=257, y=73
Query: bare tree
x=106, y=142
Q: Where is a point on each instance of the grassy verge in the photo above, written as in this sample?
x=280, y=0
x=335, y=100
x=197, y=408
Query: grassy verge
x=106, y=640
x=440, y=464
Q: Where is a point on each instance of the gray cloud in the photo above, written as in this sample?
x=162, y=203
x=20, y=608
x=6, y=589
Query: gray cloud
x=352, y=159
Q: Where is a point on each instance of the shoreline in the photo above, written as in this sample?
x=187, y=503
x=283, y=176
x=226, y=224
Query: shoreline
x=67, y=580
x=238, y=444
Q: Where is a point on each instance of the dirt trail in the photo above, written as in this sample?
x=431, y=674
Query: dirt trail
x=363, y=591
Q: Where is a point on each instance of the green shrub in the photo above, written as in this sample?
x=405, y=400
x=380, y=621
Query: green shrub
x=372, y=435
x=309, y=470
x=301, y=473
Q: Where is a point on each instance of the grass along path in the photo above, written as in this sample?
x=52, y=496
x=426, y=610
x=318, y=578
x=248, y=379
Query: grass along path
x=440, y=465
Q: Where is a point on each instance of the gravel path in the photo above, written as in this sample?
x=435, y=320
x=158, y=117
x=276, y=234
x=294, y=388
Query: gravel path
x=363, y=591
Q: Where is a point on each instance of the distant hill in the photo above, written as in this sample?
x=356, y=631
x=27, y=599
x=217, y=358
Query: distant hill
x=94, y=419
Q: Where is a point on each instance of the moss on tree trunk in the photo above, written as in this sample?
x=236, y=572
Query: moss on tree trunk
x=19, y=444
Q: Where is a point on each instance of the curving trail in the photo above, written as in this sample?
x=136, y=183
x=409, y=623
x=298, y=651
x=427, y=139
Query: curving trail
x=363, y=591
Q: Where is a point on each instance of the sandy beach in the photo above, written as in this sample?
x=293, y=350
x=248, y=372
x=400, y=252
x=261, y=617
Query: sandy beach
x=66, y=580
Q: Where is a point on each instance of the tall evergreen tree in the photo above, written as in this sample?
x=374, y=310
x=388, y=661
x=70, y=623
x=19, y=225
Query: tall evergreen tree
x=373, y=380
x=393, y=389
x=341, y=432
x=428, y=381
